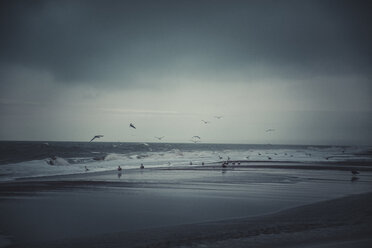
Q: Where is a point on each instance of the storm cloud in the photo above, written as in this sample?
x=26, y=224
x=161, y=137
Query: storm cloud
x=125, y=42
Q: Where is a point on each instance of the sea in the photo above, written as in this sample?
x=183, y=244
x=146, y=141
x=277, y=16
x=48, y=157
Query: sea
x=27, y=159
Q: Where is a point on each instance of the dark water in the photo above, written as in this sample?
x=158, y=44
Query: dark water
x=20, y=151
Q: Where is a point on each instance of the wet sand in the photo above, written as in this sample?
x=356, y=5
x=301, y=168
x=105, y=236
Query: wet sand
x=344, y=222
x=189, y=207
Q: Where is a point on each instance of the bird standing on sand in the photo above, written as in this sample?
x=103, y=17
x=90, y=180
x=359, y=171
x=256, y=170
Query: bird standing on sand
x=131, y=125
x=96, y=137
x=354, y=176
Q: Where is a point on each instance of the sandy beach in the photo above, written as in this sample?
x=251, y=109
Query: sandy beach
x=190, y=207
x=344, y=222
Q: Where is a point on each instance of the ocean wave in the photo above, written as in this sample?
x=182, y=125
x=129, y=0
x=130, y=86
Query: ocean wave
x=57, y=161
x=103, y=157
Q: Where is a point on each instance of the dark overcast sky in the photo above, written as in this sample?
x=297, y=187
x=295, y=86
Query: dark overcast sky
x=300, y=55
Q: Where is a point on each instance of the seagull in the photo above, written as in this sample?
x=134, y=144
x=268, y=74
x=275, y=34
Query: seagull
x=195, y=141
x=159, y=138
x=131, y=125
x=96, y=137
x=270, y=130
x=205, y=122
x=355, y=172
x=198, y=137
x=218, y=117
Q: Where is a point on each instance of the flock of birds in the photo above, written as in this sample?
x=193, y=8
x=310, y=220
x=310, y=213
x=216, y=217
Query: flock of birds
x=197, y=138
x=194, y=139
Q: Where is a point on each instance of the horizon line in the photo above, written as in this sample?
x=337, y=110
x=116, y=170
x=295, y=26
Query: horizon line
x=199, y=143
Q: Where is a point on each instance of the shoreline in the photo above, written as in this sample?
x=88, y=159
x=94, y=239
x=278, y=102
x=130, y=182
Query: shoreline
x=24, y=185
x=215, y=166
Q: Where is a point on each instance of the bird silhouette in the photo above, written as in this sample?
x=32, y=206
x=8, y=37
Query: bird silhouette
x=205, y=122
x=131, y=125
x=159, y=138
x=96, y=137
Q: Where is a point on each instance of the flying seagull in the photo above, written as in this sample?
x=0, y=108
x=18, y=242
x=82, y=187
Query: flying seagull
x=131, y=125
x=96, y=137
x=159, y=138
x=198, y=137
x=270, y=130
x=218, y=117
x=205, y=122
